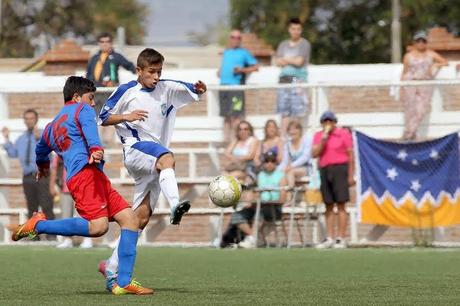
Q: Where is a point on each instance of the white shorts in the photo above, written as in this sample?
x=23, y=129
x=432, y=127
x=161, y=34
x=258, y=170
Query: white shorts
x=140, y=160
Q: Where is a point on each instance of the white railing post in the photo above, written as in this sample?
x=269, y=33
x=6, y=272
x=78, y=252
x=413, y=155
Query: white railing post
x=192, y=165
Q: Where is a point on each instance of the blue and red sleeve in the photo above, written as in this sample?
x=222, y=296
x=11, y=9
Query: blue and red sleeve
x=86, y=117
x=43, y=150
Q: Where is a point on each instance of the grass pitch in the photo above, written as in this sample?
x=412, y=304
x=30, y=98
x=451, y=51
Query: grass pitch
x=47, y=276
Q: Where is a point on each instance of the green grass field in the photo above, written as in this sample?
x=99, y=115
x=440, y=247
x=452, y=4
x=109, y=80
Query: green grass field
x=48, y=276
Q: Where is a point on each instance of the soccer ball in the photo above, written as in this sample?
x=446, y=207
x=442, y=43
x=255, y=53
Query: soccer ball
x=224, y=190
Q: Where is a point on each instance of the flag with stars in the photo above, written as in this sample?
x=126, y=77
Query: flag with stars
x=408, y=184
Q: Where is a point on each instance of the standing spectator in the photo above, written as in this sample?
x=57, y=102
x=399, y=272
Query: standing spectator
x=297, y=153
x=57, y=178
x=103, y=67
x=420, y=63
x=333, y=147
x=241, y=151
x=37, y=193
x=292, y=56
x=236, y=63
x=271, y=143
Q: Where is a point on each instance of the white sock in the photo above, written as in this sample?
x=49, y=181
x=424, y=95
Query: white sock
x=112, y=262
x=168, y=185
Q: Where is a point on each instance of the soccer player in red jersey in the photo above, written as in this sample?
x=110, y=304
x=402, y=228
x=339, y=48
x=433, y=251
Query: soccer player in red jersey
x=73, y=136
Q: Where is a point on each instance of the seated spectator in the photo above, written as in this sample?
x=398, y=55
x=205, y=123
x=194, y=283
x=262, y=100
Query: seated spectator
x=240, y=153
x=271, y=143
x=271, y=201
x=296, y=154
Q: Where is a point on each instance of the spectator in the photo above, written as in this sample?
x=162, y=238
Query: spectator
x=333, y=147
x=37, y=193
x=296, y=153
x=271, y=143
x=103, y=67
x=57, y=178
x=271, y=201
x=420, y=63
x=236, y=63
x=241, y=152
x=292, y=56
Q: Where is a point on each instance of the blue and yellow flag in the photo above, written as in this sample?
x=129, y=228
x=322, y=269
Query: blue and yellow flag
x=408, y=184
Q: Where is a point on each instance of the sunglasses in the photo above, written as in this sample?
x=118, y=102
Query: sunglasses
x=235, y=37
x=105, y=41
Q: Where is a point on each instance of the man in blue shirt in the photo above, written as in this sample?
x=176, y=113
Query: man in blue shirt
x=236, y=63
x=37, y=193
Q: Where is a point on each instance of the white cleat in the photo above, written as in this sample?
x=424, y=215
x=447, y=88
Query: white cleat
x=87, y=243
x=65, y=244
x=340, y=244
x=325, y=244
x=248, y=243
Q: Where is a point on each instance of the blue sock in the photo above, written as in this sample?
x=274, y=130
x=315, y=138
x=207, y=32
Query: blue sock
x=126, y=256
x=64, y=227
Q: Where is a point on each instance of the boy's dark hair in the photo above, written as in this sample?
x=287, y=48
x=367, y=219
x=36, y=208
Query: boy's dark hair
x=295, y=20
x=30, y=110
x=77, y=85
x=149, y=57
x=104, y=35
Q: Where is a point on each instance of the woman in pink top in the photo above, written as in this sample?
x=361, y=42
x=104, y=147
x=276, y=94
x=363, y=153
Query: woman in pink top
x=419, y=64
x=333, y=147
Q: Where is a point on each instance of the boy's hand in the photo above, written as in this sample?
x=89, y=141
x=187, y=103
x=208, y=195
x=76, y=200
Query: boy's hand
x=96, y=157
x=42, y=172
x=137, y=114
x=200, y=87
x=6, y=133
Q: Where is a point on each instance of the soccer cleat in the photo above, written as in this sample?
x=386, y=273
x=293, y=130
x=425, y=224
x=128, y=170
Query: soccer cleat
x=110, y=278
x=28, y=229
x=179, y=211
x=133, y=288
x=326, y=244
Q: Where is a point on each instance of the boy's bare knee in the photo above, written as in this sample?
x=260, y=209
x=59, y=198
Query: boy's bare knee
x=165, y=161
x=98, y=229
x=143, y=217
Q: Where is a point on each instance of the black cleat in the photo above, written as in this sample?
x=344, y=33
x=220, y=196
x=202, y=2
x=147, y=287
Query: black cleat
x=179, y=211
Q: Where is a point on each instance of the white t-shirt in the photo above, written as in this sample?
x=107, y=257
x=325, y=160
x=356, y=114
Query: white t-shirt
x=161, y=103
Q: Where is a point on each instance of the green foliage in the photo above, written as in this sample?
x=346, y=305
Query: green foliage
x=26, y=22
x=343, y=31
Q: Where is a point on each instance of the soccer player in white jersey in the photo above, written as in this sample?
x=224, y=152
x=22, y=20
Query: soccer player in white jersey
x=143, y=113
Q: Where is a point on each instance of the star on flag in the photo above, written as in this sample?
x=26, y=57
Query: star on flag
x=392, y=173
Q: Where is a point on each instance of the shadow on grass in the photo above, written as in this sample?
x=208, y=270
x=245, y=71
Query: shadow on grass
x=166, y=289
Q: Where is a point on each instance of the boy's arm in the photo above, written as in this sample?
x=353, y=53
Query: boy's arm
x=111, y=112
x=42, y=152
x=183, y=93
x=87, y=120
x=114, y=119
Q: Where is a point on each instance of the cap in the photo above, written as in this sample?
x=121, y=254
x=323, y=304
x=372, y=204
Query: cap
x=328, y=115
x=420, y=35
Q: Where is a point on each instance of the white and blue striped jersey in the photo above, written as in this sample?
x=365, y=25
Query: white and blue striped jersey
x=161, y=103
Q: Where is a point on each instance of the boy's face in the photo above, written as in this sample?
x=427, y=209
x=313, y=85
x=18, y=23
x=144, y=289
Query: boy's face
x=269, y=166
x=87, y=98
x=150, y=75
x=295, y=31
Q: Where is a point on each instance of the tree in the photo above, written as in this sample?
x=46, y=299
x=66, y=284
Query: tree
x=343, y=31
x=27, y=23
